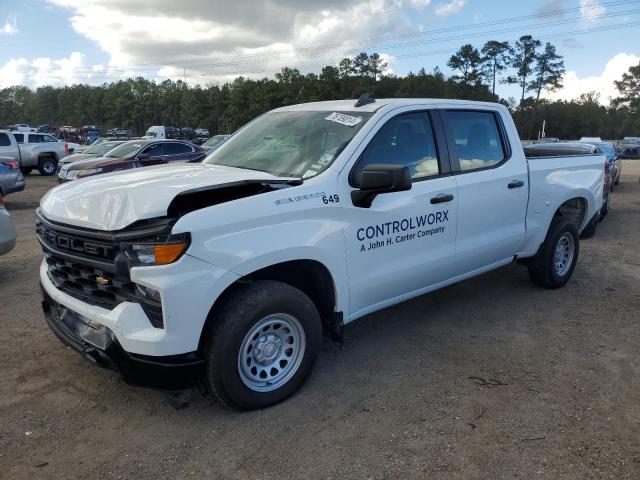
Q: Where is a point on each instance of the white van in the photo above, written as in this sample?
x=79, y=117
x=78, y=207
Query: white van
x=155, y=132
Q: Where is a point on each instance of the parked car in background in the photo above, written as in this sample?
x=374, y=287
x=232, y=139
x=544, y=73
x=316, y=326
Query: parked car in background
x=214, y=142
x=7, y=230
x=119, y=132
x=11, y=179
x=91, y=136
x=615, y=163
x=590, y=139
x=35, y=150
x=575, y=149
x=630, y=147
x=133, y=154
x=548, y=140
x=202, y=132
x=93, y=151
x=187, y=133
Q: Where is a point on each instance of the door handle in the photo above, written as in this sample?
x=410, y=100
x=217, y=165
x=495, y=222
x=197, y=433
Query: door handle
x=442, y=198
x=516, y=184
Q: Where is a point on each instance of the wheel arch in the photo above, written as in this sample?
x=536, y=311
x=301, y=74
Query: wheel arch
x=574, y=209
x=310, y=276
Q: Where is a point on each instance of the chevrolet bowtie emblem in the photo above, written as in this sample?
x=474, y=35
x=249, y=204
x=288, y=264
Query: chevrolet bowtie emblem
x=100, y=280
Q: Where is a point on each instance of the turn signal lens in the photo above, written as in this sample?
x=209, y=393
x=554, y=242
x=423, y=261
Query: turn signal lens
x=168, y=253
x=159, y=253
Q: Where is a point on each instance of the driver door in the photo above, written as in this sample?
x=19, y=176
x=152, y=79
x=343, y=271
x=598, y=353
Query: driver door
x=404, y=243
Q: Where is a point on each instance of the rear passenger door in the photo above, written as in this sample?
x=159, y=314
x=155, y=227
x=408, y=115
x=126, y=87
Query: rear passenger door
x=404, y=242
x=492, y=189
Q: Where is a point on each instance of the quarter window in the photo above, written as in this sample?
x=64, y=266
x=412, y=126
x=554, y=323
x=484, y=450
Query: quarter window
x=404, y=140
x=476, y=139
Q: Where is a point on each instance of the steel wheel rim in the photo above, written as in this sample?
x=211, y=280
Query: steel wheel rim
x=271, y=352
x=563, y=255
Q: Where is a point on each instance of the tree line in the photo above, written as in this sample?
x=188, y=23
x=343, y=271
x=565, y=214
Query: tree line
x=137, y=103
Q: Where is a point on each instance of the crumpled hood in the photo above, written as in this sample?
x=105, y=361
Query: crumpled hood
x=114, y=201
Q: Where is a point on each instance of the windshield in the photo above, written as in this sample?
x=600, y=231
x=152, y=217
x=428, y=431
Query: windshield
x=150, y=133
x=125, y=149
x=101, y=148
x=290, y=144
x=607, y=149
x=213, y=141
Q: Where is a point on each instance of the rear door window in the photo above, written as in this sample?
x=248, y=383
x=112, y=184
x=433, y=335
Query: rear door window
x=4, y=140
x=154, y=150
x=476, y=139
x=19, y=137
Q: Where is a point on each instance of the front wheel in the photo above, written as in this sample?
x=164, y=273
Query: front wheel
x=554, y=263
x=263, y=345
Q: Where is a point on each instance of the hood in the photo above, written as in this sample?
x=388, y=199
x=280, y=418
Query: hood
x=114, y=201
x=99, y=162
x=74, y=157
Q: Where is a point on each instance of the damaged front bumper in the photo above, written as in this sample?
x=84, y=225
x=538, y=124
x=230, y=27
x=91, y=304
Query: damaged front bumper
x=98, y=344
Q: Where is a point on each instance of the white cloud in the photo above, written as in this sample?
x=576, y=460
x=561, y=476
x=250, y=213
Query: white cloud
x=420, y=3
x=226, y=39
x=48, y=71
x=449, y=8
x=10, y=27
x=590, y=9
x=603, y=84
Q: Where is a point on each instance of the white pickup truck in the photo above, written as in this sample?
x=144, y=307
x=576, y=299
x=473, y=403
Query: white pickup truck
x=228, y=272
x=34, y=150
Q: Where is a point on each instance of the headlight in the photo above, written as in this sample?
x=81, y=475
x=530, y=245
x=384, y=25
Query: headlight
x=161, y=253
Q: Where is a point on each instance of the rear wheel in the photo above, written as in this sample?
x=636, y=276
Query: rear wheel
x=264, y=343
x=554, y=263
x=47, y=166
x=26, y=170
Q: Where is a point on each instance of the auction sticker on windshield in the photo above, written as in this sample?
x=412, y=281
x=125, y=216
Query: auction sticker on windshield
x=344, y=119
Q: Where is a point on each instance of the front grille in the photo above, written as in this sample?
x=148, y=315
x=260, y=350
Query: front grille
x=91, y=268
x=89, y=284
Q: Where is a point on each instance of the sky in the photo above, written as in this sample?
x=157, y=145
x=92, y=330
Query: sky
x=61, y=42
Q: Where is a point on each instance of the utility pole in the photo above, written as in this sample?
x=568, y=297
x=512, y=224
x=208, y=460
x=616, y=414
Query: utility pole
x=184, y=72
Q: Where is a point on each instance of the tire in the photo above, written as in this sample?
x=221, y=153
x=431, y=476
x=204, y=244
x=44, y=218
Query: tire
x=26, y=170
x=551, y=271
x=47, y=166
x=265, y=330
x=604, y=210
x=590, y=230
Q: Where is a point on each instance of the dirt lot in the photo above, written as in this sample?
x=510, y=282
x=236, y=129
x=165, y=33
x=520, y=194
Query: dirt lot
x=491, y=378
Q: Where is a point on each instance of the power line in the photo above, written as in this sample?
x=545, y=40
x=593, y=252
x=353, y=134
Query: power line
x=269, y=57
x=409, y=55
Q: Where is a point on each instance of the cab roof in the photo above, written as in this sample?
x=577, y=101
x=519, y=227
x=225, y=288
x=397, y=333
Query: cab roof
x=349, y=105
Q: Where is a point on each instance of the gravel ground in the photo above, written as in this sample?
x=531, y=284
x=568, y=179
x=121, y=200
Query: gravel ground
x=489, y=378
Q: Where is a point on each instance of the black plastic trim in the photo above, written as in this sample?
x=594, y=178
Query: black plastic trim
x=172, y=372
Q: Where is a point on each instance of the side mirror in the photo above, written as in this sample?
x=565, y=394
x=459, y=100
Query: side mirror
x=380, y=178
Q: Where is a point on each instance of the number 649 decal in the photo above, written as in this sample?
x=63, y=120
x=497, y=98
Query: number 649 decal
x=327, y=199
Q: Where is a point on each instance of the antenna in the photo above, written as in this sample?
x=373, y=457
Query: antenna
x=364, y=99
